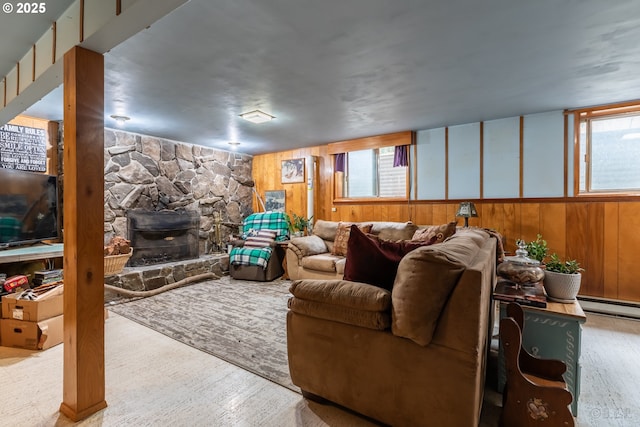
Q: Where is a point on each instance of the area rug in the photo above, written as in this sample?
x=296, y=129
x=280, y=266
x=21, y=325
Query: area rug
x=244, y=323
x=239, y=321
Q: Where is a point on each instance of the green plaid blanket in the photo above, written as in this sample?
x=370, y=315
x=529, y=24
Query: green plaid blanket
x=250, y=256
x=269, y=220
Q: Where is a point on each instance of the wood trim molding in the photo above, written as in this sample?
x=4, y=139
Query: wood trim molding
x=414, y=163
x=446, y=163
x=576, y=154
x=521, y=177
x=81, y=24
x=54, y=29
x=607, y=109
x=387, y=140
x=481, y=160
x=566, y=156
x=33, y=64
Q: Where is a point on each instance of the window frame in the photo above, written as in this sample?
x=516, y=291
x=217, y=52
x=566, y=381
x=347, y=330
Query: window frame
x=376, y=184
x=374, y=142
x=587, y=115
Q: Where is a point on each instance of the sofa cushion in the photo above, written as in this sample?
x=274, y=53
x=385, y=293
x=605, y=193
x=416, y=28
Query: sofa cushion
x=425, y=279
x=394, y=231
x=375, y=261
x=351, y=316
x=326, y=230
x=342, y=237
x=308, y=245
x=343, y=293
x=320, y=262
x=440, y=232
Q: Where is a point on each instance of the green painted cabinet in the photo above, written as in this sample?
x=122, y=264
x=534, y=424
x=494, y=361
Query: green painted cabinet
x=554, y=332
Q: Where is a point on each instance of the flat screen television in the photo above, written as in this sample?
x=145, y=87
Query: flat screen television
x=28, y=207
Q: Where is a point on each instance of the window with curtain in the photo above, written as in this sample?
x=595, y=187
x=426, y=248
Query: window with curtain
x=609, y=152
x=371, y=174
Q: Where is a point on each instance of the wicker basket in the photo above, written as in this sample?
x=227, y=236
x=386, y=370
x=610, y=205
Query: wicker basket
x=113, y=264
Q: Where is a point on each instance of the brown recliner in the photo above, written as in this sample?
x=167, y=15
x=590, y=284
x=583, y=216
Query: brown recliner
x=535, y=393
x=256, y=273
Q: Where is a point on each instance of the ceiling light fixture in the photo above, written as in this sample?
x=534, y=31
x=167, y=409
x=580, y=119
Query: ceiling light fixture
x=120, y=120
x=234, y=144
x=257, y=116
x=632, y=135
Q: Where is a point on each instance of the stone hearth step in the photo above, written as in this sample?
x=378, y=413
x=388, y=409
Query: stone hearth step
x=151, y=277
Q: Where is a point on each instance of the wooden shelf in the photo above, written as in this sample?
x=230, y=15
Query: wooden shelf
x=30, y=253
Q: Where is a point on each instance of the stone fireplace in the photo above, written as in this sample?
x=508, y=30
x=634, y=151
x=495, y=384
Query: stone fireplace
x=163, y=236
x=143, y=173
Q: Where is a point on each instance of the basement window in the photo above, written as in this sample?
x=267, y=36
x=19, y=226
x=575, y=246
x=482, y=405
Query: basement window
x=370, y=174
x=609, y=151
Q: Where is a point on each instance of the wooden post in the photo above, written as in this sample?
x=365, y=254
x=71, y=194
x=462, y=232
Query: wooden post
x=83, y=378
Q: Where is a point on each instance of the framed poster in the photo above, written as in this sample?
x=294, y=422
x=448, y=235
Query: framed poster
x=292, y=171
x=274, y=201
x=23, y=148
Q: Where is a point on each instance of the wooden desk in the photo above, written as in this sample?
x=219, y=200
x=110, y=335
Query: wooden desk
x=554, y=332
x=31, y=253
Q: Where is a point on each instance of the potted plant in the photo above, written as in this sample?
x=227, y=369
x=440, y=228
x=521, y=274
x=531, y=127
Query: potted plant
x=537, y=249
x=562, y=279
x=298, y=224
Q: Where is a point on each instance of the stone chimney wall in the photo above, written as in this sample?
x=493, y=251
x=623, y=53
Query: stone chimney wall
x=143, y=172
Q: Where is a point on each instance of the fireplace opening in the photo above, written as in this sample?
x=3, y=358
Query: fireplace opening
x=163, y=236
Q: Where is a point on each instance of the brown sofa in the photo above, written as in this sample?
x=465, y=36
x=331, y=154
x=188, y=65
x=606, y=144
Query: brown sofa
x=310, y=257
x=414, y=356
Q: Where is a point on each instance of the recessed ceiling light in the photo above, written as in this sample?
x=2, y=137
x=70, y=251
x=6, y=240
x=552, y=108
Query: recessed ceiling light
x=121, y=120
x=257, y=116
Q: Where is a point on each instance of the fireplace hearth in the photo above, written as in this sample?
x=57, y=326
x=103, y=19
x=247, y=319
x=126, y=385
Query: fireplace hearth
x=163, y=236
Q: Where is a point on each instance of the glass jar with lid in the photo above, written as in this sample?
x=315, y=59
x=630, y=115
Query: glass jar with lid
x=520, y=269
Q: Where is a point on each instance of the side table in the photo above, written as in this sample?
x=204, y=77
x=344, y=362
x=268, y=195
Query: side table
x=283, y=247
x=554, y=332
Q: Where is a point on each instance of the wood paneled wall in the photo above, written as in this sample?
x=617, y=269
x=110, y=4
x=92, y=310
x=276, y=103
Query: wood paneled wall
x=267, y=175
x=51, y=129
x=601, y=234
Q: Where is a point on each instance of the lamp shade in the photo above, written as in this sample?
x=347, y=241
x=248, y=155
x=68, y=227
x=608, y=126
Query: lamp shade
x=467, y=210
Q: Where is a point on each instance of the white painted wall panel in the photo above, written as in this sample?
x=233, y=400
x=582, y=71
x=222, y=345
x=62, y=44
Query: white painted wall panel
x=44, y=53
x=543, y=154
x=464, y=161
x=26, y=70
x=126, y=4
x=430, y=164
x=501, y=158
x=96, y=14
x=68, y=30
x=12, y=84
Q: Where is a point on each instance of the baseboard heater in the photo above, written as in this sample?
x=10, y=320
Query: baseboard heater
x=610, y=307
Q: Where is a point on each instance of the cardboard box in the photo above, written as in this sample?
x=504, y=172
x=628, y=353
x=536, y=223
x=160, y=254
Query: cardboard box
x=32, y=335
x=31, y=311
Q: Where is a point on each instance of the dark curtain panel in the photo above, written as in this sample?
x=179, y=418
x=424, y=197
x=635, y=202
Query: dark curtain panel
x=401, y=156
x=339, y=165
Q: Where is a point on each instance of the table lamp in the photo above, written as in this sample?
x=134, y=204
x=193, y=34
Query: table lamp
x=467, y=210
